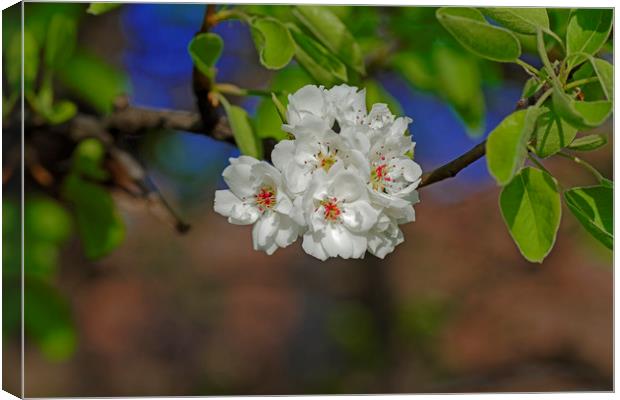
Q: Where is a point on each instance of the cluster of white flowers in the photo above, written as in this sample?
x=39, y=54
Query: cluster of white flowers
x=344, y=183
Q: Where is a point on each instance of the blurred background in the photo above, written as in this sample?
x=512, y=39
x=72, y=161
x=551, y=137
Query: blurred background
x=455, y=308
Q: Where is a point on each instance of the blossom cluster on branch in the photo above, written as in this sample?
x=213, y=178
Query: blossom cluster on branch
x=344, y=182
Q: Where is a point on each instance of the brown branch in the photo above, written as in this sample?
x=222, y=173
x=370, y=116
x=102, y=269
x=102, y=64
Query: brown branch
x=130, y=120
x=455, y=166
x=452, y=168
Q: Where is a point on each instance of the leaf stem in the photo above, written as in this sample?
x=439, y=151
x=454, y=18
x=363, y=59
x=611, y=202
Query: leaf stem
x=581, y=82
x=530, y=155
x=530, y=69
x=234, y=90
x=584, y=164
x=543, y=98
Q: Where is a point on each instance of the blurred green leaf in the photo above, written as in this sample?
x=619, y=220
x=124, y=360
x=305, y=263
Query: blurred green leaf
x=552, y=133
x=13, y=62
x=317, y=60
x=593, y=207
x=60, y=41
x=99, y=224
x=273, y=41
x=88, y=159
x=587, y=31
x=61, y=112
x=31, y=60
x=376, y=93
x=102, y=8
x=588, y=143
x=416, y=68
x=506, y=146
x=205, y=49
x=458, y=81
x=332, y=33
x=522, y=20
x=46, y=220
x=48, y=321
x=469, y=28
x=93, y=80
x=531, y=207
x=242, y=130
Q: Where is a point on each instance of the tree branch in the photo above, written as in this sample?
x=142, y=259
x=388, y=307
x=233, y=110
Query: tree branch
x=455, y=166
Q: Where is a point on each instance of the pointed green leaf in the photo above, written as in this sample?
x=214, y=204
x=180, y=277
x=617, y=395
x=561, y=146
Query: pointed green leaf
x=588, y=143
x=593, y=206
x=523, y=20
x=205, y=50
x=581, y=114
x=242, y=130
x=552, y=133
x=323, y=66
x=332, y=33
x=99, y=224
x=60, y=41
x=102, y=8
x=531, y=208
x=506, y=146
x=587, y=31
x=273, y=41
x=469, y=28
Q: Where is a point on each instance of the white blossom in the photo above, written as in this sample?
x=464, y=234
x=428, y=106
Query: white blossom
x=257, y=196
x=345, y=180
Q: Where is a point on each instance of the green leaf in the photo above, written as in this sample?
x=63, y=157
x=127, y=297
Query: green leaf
x=587, y=31
x=93, y=80
x=60, y=41
x=552, y=133
x=605, y=73
x=88, y=158
x=376, y=93
x=102, y=8
x=531, y=86
x=588, y=143
x=279, y=108
x=323, y=66
x=531, y=208
x=99, y=224
x=593, y=206
x=60, y=112
x=48, y=320
x=268, y=118
x=205, y=49
x=242, y=130
x=31, y=60
x=415, y=68
x=46, y=220
x=523, y=20
x=581, y=114
x=273, y=41
x=459, y=82
x=332, y=33
x=506, y=146
x=469, y=28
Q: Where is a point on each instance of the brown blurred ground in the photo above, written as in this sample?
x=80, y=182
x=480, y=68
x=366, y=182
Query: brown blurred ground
x=455, y=308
